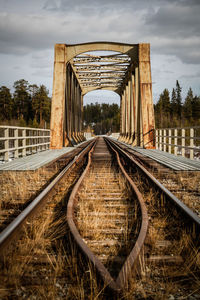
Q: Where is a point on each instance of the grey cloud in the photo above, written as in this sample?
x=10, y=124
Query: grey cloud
x=185, y=49
x=102, y=5
x=176, y=30
x=189, y=2
x=191, y=76
x=43, y=73
x=174, y=20
x=21, y=6
x=172, y=27
x=168, y=72
x=50, y=5
x=17, y=67
x=21, y=34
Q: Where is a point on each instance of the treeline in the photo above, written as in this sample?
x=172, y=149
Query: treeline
x=29, y=105
x=102, y=118
x=174, y=112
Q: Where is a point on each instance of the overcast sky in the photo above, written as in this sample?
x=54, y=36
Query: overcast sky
x=30, y=28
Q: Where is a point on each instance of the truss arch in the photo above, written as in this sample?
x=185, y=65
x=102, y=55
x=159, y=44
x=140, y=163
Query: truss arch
x=125, y=69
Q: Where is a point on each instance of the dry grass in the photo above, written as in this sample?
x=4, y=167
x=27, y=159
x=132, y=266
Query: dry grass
x=164, y=280
x=46, y=264
x=96, y=218
x=185, y=186
x=18, y=188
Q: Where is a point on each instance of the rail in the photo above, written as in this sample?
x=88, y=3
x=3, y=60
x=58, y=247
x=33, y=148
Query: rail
x=179, y=141
x=8, y=234
x=21, y=141
x=192, y=220
x=133, y=257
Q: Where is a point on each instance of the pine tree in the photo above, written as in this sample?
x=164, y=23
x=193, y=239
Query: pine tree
x=102, y=118
x=178, y=101
x=196, y=111
x=173, y=107
x=162, y=110
x=6, y=103
x=22, y=100
x=41, y=104
x=187, y=106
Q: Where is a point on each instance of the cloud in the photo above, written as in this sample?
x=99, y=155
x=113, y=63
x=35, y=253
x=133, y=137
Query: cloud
x=191, y=76
x=50, y=5
x=175, y=20
x=172, y=27
x=29, y=30
x=21, y=34
x=176, y=30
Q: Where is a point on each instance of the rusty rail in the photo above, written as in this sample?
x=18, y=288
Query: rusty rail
x=133, y=257
x=193, y=221
x=11, y=231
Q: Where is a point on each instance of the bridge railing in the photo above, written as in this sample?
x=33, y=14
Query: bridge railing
x=21, y=141
x=179, y=141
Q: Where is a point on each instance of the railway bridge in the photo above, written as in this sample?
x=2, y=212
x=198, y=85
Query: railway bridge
x=133, y=214
x=122, y=68
x=81, y=68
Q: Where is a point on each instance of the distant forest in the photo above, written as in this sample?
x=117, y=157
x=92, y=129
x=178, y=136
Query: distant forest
x=169, y=112
x=29, y=105
x=102, y=118
x=173, y=112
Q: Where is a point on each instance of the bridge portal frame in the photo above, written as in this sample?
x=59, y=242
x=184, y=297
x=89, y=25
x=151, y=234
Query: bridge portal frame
x=136, y=114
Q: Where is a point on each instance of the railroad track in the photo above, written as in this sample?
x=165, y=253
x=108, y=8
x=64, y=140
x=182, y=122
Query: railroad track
x=183, y=184
x=89, y=214
x=19, y=189
x=107, y=216
x=171, y=249
x=16, y=223
x=108, y=221
x=191, y=219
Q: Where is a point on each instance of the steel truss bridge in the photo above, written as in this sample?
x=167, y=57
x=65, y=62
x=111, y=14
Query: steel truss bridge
x=126, y=70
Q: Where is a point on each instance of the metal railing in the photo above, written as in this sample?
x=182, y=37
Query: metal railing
x=179, y=141
x=21, y=141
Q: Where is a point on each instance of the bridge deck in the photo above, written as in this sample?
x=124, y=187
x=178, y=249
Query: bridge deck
x=34, y=161
x=177, y=163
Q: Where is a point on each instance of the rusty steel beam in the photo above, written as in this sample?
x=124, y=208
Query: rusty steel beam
x=108, y=73
x=146, y=100
x=129, y=66
x=58, y=98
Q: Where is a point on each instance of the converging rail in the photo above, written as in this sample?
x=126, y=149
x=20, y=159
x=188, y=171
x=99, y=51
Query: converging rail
x=99, y=158
x=192, y=221
x=7, y=235
x=107, y=216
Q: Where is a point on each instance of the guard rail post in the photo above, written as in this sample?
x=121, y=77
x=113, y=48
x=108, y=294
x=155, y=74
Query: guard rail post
x=24, y=142
x=183, y=142
x=16, y=144
x=191, y=143
x=165, y=140
x=157, y=141
x=20, y=141
x=179, y=141
x=6, y=144
x=170, y=141
x=175, y=141
x=160, y=139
